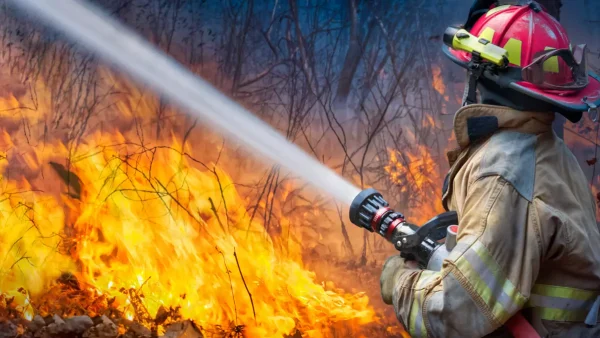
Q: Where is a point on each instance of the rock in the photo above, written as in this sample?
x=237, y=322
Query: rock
x=21, y=322
x=57, y=320
x=139, y=331
x=105, y=329
x=79, y=324
x=8, y=330
x=185, y=329
x=48, y=320
x=42, y=333
x=59, y=326
x=37, y=323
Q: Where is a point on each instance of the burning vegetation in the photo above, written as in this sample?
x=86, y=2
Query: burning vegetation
x=416, y=171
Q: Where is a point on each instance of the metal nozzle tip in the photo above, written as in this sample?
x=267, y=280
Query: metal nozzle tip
x=358, y=201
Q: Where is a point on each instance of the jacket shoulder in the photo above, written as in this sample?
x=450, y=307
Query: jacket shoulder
x=510, y=155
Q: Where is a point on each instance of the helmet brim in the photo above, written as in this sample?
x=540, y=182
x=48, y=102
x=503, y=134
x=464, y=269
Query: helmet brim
x=571, y=105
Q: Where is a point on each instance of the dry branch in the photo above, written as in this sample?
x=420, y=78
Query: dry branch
x=214, y=210
x=245, y=285
x=230, y=283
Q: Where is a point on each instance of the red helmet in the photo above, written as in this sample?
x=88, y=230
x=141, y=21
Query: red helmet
x=543, y=65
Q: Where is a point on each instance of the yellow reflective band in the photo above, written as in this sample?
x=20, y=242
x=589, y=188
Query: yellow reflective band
x=416, y=325
x=488, y=34
x=488, y=280
x=496, y=10
x=513, y=47
x=561, y=303
x=563, y=292
x=560, y=315
x=551, y=65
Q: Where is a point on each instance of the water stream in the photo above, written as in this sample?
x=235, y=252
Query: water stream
x=119, y=45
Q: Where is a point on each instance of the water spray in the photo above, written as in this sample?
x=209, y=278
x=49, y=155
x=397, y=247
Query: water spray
x=119, y=45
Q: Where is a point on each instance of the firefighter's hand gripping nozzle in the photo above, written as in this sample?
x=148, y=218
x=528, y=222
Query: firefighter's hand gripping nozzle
x=370, y=211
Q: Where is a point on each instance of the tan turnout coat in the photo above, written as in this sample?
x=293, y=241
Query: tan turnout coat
x=528, y=239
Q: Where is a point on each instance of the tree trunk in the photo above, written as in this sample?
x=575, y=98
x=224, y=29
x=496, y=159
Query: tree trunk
x=352, y=59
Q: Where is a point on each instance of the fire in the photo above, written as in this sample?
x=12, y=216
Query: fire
x=438, y=82
x=417, y=180
x=143, y=229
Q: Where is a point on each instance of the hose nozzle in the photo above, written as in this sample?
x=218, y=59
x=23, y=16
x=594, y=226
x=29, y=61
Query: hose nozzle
x=370, y=211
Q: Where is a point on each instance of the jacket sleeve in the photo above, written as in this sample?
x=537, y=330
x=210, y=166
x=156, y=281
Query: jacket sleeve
x=489, y=274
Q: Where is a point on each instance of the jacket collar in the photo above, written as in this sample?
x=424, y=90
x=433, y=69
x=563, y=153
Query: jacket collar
x=477, y=121
x=474, y=123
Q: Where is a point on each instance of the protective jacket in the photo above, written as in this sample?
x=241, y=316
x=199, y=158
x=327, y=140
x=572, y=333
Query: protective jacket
x=528, y=239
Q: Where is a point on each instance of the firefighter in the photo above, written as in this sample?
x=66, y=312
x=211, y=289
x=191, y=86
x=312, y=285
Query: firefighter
x=528, y=242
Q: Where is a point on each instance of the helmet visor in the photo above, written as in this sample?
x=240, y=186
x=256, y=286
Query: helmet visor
x=558, y=69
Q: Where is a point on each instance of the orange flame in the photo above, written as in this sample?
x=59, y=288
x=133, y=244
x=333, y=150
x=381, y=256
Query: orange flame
x=417, y=178
x=438, y=82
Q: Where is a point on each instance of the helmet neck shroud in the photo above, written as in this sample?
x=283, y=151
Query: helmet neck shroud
x=499, y=94
x=492, y=93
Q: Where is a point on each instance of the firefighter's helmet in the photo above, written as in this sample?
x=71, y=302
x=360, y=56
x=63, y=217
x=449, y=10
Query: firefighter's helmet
x=543, y=66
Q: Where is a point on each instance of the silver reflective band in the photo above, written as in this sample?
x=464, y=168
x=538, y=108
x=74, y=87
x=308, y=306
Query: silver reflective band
x=560, y=303
x=489, y=278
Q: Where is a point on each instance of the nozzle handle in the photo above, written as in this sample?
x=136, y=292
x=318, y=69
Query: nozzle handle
x=435, y=229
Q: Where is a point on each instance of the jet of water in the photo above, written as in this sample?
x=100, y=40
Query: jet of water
x=120, y=45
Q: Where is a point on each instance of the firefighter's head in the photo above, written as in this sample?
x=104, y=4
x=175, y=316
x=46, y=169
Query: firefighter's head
x=545, y=71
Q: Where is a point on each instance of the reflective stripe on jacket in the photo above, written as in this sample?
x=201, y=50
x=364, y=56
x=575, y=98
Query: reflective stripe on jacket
x=528, y=239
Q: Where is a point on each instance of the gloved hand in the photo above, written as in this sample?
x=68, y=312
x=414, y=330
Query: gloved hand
x=392, y=269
